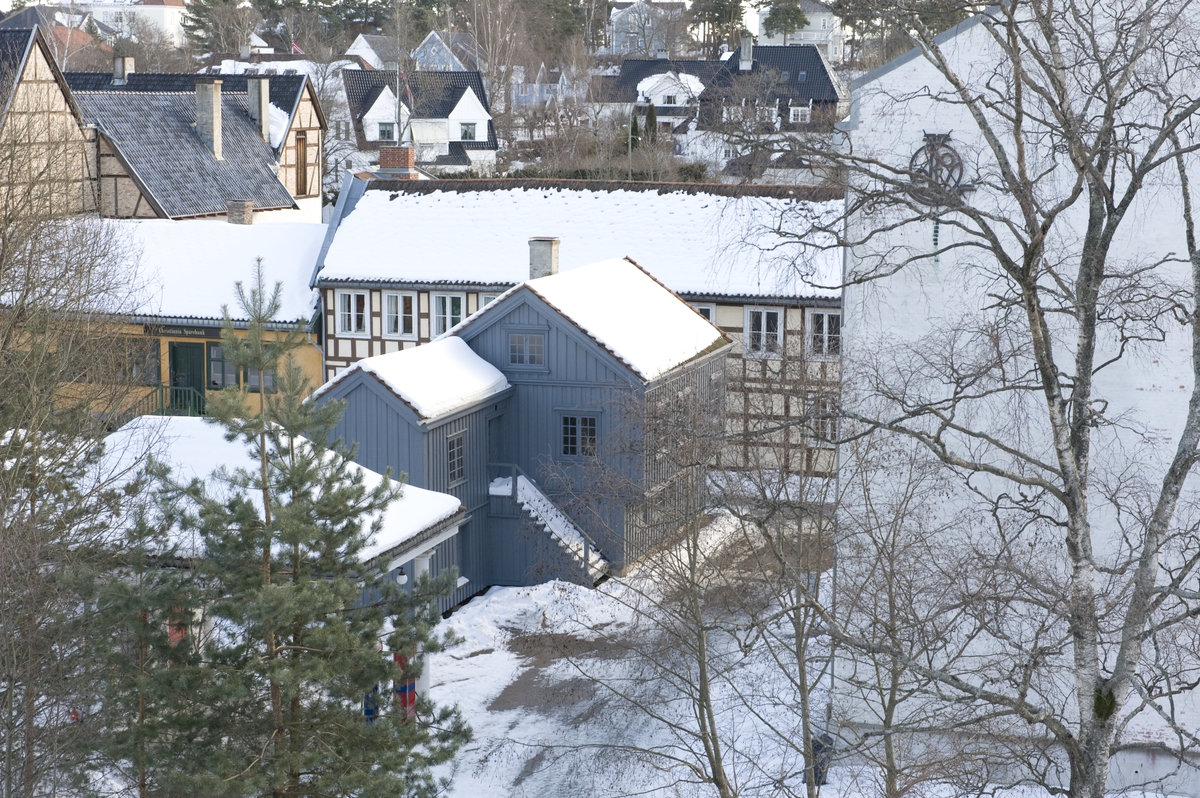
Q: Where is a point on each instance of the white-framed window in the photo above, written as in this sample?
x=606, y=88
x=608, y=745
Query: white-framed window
x=487, y=299
x=400, y=314
x=800, y=115
x=763, y=333
x=353, y=312
x=456, y=449
x=707, y=310
x=527, y=349
x=579, y=436
x=727, y=152
x=466, y=131
x=822, y=412
x=824, y=334
x=447, y=311
x=669, y=99
x=801, y=77
x=387, y=131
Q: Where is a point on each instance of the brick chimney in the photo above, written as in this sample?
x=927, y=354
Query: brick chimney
x=258, y=100
x=398, y=162
x=208, y=113
x=543, y=257
x=746, y=54
x=122, y=69
x=240, y=211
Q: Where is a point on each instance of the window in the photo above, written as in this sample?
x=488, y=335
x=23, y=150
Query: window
x=400, y=315
x=784, y=75
x=727, y=152
x=352, y=312
x=301, y=164
x=669, y=99
x=467, y=131
x=221, y=374
x=387, y=131
x=801, y=77
x=821, y=410
x=707, y=311
x=764, y=331
x=579, y=436
x=526, y=349
x=447, y=311
x=825, y=334
x=268, y=378
x=142, y=363
x=800, y=116
x=455, y=450
x=487, y=299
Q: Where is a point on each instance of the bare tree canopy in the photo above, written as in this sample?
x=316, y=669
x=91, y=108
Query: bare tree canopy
x=1022, y=273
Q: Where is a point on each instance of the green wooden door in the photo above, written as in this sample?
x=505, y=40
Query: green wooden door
x=187, y=377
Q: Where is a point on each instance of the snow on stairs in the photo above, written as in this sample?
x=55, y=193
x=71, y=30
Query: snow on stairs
x=546, y=515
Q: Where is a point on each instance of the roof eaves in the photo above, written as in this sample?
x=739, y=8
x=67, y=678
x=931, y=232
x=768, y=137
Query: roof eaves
x=916, y=52
x=135, y=177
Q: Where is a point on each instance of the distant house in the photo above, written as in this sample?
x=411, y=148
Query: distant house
x=713, y=245
x=70, y=31
x=646, y=28
x=165, y=16
x=449, y=51
x=445, y=116
x=521, y=408
x=764, y=95
x=824, y=30
x=380, y=52
x=548, y=88
x=673, y=86
x=177, y=145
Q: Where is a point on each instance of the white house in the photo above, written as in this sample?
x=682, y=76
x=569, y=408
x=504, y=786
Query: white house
x=645, y=27
x=163, y=15
x=939, y=347
x=824, y=30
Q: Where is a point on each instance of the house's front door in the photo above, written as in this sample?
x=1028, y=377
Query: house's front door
x=186, y=371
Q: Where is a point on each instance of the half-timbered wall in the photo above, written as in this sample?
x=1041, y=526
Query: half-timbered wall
x=44, y=153
x=306, y=126
x=120, y=197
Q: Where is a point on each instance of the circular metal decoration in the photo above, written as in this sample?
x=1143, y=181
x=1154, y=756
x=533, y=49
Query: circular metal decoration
x=937, y=170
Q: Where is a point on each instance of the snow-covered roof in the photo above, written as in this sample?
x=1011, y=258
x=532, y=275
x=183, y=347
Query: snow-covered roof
x=190, y=267
x=626, y=311
x=695, y=243
x=438, y=378
x=194, y=448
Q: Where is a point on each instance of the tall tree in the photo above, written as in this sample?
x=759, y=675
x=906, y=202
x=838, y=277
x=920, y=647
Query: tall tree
x=298, y=623
x=783, y=16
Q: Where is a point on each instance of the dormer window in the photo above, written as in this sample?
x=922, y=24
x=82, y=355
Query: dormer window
x=387, y=131
x=467, y=131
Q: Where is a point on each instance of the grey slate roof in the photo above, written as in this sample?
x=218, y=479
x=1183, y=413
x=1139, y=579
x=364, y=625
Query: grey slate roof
x=286, y=90
x=789, y=63
x=155, y=134
x=434, y=94
x=14, y=44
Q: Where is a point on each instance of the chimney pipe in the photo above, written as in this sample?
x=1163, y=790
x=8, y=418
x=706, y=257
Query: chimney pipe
x=122, y=69
x=543, y=257
x=746, y=54
x=208, y=113
x=258, y=100
x=240, y=211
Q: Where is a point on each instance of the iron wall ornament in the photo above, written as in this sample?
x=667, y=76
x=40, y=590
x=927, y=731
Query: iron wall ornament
x=937, y=170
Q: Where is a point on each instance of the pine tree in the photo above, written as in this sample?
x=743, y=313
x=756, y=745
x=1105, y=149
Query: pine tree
x=784, y=16
x=298, y=624
x=652, y=124
x=145, y=651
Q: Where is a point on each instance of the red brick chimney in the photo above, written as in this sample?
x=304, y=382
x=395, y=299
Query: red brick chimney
x=393, y=157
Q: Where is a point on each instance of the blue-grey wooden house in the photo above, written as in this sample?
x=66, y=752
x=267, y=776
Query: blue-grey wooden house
x=539, y=413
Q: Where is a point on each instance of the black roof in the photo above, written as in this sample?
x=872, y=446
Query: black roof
x=14, y=44
x=154, y=134
x=434, y=95
x=798, y=71
x=623, y=88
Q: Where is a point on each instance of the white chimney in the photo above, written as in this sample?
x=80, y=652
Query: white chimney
x=258, y=100
x=746, y=54
x=122, y=69
x=208, y=113
x=543, y=257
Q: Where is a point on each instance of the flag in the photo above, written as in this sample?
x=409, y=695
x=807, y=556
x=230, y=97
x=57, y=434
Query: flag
x=407, y=90
x=296, y=48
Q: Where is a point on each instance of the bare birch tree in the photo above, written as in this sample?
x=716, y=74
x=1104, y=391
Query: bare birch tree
x=1032, y=304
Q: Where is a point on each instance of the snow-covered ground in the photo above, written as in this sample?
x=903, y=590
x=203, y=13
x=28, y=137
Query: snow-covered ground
x=569, y=691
